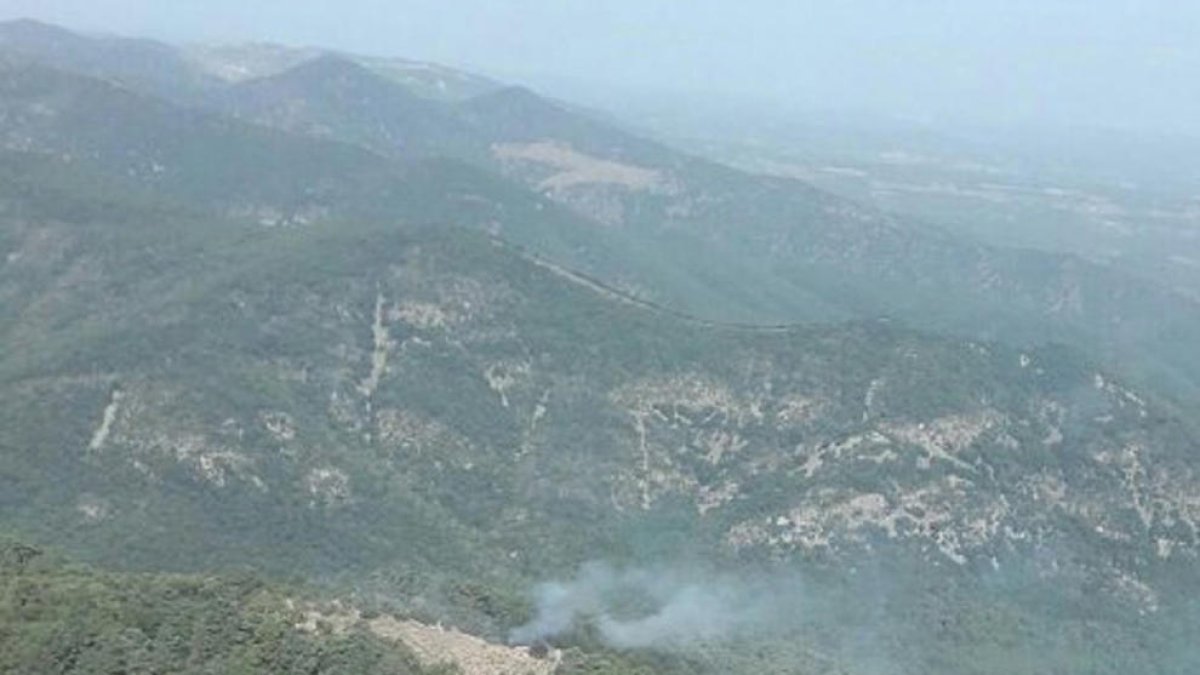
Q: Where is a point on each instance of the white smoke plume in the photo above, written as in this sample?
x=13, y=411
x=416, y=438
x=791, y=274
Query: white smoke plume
x=663, y=607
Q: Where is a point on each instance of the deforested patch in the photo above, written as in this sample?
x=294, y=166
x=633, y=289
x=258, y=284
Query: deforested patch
x=435, y=645
x=575, y=168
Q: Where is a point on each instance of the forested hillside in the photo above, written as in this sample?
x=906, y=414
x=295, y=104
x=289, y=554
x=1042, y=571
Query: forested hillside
x=416, y=356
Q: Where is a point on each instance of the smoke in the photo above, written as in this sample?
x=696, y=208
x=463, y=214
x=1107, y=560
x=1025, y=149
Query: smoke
x=661, y=607
x=876, y=616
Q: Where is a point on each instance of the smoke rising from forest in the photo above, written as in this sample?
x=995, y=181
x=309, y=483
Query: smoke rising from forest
x=662, y=607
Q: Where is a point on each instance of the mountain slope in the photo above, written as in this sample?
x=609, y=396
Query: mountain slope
x=148, y=65
x=210, y=164
x=374, y=402
x=249, y=172
x=707, y=231
x=221, y=165
x=197, y=156
x=334, y=97
x=719, y=242
x=842, y=255
x=72, y=619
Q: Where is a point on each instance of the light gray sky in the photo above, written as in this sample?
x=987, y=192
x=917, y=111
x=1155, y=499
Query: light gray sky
x=1123, y=63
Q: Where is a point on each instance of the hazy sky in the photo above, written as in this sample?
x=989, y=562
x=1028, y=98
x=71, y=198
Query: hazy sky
x=1128, y=63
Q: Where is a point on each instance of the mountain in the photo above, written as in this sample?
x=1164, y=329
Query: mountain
x=69, y=618
x=72, y=619
x=165, y=147
x=241, y=63
x=334, y=97
x=218, y=165
x=424, y=408
x=432, y=382
x=706, y=232
x=810, y=255
x=245, y=170
x=143, y=64
x=726, y=244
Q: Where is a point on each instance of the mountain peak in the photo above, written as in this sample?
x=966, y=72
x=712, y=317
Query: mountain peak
x=329, y=63
x=329, y=70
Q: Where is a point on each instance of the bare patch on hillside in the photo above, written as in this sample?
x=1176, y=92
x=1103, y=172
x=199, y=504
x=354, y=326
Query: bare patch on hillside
x=574, y=168
x=146, y=427
x=435, y=645
x=947, y=514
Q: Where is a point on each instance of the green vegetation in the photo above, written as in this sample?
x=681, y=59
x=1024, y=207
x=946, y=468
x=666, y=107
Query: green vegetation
x=62, y=618
x=437, y=500
x=426, y=387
